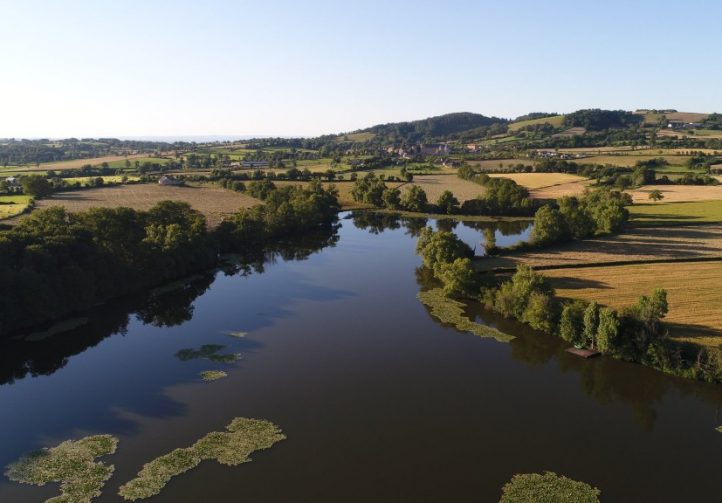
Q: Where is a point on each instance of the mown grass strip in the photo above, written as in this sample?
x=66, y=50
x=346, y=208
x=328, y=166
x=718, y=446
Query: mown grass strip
x=230, y=448
x=450, y=311
x=72, y=464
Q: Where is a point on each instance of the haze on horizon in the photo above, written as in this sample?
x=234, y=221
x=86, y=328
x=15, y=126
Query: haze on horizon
x=89, y=69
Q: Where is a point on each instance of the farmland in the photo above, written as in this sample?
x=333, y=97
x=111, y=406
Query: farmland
x=214, y=202
x=555, y=121
x=679, y=213
x=116, y=161
x=636, y=245
x=434, y=185
x=13, y=205
x=629, y=160
x=560, y=190
x=539, y=180
x=693, y=293
x=678, y=193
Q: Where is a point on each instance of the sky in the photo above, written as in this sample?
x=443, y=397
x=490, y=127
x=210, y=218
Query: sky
x=100, y=68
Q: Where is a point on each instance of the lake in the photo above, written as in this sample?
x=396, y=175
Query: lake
x=380, y=401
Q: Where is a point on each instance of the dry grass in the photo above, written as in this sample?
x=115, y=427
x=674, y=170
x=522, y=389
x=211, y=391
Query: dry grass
x=539, y=180
x=686, y=116
x=563, y=189
x=434, y=185
x=214, y=202
x=678, y=193
x=653, y=243
x=693, y=293
x=555, y=121
x=629, y=160
x=79, y=163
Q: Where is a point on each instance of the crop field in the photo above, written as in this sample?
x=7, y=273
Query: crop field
x=13, y=205
x=79, y=163
x=656, y=214
x=686, y=116
x=555, y=121
x=214, y=202
x=693, y=293
x=678, y=193
x=575, y=188
x=636, y=245
x=629, y=160
x=83, y=180
x=356, y=137
x=539, y=180
x=434, y=185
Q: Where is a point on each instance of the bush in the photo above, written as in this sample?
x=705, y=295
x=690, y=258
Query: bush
x=550, y=227
x=414, y=199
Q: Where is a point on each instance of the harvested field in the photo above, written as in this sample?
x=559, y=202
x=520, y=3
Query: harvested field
x=644, y=244
x=693, y=293
x=686, y=116
x=627, y=161
x=563, y=189
x=434, y=185
x=214, y=202
x=539, y=180
x=678, y=193
x=78, y=163
x=679, y=213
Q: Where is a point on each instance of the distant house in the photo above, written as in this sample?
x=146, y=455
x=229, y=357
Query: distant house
x=13, y=185
x=255, y=164
x=169, y=180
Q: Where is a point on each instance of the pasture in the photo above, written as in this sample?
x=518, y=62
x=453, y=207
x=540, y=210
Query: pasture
x=434, y=185
x=214, y=202
x=629, y=160
x=555, y=121
x=112, y=179
x=693, y=293
x=539, y=180
x=635, y=245
x=677, y=213
x=677, y=193
x=493, y=164
x=12, y=205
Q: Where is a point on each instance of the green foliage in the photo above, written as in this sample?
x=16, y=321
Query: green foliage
x=591, y=325
x=550, y=227
x=598, y=120
x=524, y=297
x=414, y=199
x=369, y=189
x=571, y=322
x=547, y=488
x=458, y=277
x=607, y=209
x=261, y=189
x=72, y=464
x=656, y=195
x=539, y=312
x=391, y=198
x=447, y=203
x=213, y=375
x=607, y=331
x=231, y=448
x=579, y=221
x=441, y=247
x=36, y=186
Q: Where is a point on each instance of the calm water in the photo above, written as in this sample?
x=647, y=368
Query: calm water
x=380, y=402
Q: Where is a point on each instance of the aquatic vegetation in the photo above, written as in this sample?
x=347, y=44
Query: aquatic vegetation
x=208, y=352
x=719, y=428
x=213, y=375
x=230, y=448
x=547, y=488
x=238, y=335
x=451, y=311
x=72, y=464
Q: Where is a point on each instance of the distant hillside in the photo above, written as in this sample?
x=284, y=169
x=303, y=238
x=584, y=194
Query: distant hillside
x=442, y=127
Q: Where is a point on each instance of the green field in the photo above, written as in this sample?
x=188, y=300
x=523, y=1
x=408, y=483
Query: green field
x=83, y=180
x=120, y=164
x=13, y=205
x=676, y=213
x=555, y=121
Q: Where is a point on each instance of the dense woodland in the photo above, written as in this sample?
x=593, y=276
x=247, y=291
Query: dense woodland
x=54, y=263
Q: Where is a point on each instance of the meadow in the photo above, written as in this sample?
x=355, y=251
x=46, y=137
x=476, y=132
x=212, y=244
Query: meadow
x=693, y=293
x=539, y=180
x=12, y=205
x=677, y=213
x=214, y=202
x=555, y=121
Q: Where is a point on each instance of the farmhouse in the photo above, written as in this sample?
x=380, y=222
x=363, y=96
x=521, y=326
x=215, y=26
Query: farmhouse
x=169, y=180
x=13, y=185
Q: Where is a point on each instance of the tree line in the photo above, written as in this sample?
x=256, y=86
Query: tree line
x=635, y=334
x=54, y=263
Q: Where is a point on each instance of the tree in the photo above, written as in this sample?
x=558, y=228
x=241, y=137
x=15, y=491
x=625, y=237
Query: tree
x=607, y=330
x=539, y=312
x=414, y=199
x=447, y=203
x=571, y=323
x=591, y=324
x=391, y=198
x=550, y=227
x=441, y=247
x=656, y=195
x=458, y=277
x=36, y=186
x=580, y=222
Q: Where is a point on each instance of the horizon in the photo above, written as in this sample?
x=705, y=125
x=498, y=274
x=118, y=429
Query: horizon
x=83, y=69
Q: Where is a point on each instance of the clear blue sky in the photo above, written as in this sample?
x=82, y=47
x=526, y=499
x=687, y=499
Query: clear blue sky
x=152, y=67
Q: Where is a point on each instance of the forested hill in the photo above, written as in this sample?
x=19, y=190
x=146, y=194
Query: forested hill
x=454, y=125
